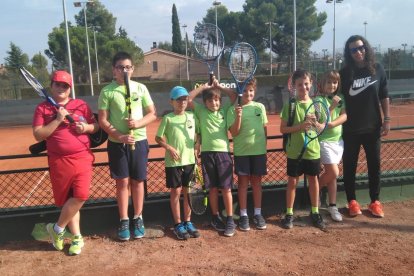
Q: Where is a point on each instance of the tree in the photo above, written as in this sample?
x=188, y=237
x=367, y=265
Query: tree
x=15, y=58
x=249, y=25
x=107, y=41
x=165, y=45
x=177, y=42
x=39, y=68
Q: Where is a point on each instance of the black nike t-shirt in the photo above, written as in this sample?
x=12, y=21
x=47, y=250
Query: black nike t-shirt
x=363, y=93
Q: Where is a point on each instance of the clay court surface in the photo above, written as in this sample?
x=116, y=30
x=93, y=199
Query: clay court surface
x=16, y=140
x=357, y=246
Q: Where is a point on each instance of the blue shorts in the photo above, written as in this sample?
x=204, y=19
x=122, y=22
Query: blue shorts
x=308, y=167
x=217, y=169
x=178, y=176
x=250, y=165
x=124, y=162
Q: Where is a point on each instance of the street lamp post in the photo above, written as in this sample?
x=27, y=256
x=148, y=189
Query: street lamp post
x=294, y=35
x=68, y=47
x=365, y=29
x=186, y=51
x=404, y=45
x=216, y=4
x=79, y=4
x=96, y=53
x=270, y=44
x=333, y=50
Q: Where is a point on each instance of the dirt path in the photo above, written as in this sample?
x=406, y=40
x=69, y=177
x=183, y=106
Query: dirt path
x=357, y=246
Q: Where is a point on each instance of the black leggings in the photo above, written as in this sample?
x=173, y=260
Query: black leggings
x=371, y=142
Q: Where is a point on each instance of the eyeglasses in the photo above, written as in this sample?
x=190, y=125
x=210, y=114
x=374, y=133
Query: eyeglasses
x=357, y=49
x=62, y=85
x=124, y=68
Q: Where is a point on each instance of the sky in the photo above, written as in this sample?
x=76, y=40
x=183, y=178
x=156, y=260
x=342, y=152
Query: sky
x=27, y=23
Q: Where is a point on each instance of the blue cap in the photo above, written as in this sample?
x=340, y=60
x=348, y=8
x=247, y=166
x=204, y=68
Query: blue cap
x=178, y=92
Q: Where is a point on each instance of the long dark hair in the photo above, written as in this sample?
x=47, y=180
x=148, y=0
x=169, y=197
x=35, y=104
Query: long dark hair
x=369, y=54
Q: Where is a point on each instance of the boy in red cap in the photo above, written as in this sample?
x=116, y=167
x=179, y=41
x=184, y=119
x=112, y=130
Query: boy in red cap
x=69, y=156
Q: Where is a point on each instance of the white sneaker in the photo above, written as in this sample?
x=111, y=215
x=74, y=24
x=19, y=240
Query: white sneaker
x=335, y=215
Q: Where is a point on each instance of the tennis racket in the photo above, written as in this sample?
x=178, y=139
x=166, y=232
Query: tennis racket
x=318, y=114
x=128, y=101
x=242, y=65
x=35, y=84
x=209, y=45
x=197, y=193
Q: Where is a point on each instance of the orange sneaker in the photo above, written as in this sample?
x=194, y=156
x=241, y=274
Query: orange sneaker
x=354, y=208
x=376, y=209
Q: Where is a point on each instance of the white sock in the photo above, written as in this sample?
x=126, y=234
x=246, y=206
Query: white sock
x=137, y=216
x=243, y=212
x=58, y=229
x=257, y=211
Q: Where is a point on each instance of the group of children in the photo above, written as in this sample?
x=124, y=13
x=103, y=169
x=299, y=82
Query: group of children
x=204, y=132
x=182, y=132
x=193, y=129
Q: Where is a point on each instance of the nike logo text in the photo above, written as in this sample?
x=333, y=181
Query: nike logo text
x=361, y=85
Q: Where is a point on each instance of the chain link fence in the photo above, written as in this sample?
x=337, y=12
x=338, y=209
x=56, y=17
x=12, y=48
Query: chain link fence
x=30, y=190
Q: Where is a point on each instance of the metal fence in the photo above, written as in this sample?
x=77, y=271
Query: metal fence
x=29, y=190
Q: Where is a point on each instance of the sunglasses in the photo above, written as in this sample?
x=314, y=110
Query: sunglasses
x=124, y=68
x=357, y=49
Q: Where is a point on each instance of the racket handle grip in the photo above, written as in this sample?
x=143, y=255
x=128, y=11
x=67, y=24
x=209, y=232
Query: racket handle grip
x=210, y=79
x=131, y=132
x=70, y=119
x=239, y=99
x=38, y=147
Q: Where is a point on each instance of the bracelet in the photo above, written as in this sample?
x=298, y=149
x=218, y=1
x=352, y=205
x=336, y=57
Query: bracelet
x=387, y=119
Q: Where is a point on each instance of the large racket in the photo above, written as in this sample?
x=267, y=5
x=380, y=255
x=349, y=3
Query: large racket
x=209, y=45
x=197, y=193
x=242, y=65
x=40, y=90
x=318, y=114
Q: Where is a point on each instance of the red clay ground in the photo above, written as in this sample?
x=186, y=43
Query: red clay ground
x=357, y=246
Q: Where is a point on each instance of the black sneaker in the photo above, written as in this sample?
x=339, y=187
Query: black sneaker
x=230, y=227
x=218, y=223
x=287, y=221
x=244, y=223
x=260, y=222
x=318, y=221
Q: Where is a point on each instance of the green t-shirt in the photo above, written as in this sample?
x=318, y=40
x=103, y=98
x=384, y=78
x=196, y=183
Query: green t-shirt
x=213, y=127
x=331, y=134
x=112, y=99
x=179, y=132
x=251, y=139
x=297, y=139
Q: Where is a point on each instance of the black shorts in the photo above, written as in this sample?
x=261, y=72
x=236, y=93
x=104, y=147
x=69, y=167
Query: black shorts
x=308, y=167
x=250, y=165
x=124, y=162
x=178, y=176
x=217, y=169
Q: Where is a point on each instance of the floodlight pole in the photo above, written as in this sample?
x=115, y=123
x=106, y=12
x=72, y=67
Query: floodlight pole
x=68, y=48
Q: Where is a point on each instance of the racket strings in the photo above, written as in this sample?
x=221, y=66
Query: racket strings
x=208, y=41
x=33, y=82
x=242, y=62
x=319, y=120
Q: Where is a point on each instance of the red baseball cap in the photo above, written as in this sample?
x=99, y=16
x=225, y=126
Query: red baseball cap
x=62, y=76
